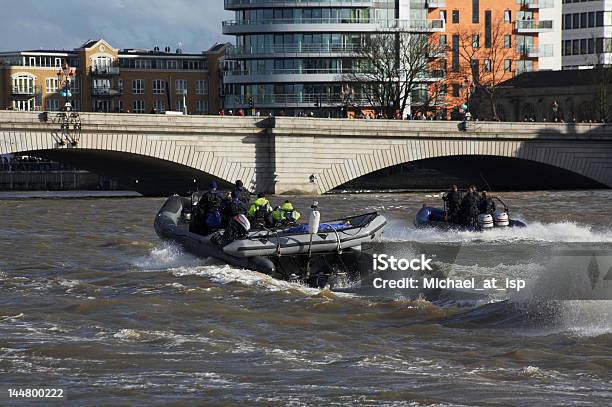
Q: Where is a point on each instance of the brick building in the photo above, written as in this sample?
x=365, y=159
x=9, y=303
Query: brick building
x=107, y=79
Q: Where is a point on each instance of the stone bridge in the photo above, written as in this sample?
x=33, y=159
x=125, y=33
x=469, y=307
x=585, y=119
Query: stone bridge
x=159, y=154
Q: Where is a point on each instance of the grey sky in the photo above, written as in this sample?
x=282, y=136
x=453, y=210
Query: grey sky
x=66, y=24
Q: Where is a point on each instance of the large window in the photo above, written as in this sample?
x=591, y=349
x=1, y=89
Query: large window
x=138, y=86
x=455, y=16
x=475, y=11
x=52, y=105
x=24, y=84
x=159, y=87
x=202, y=107
x=139, y=106
x=51, y=85
x=159, y=106
x=181, y=86
x=201, y=87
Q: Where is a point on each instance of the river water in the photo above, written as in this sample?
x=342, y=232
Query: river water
x=91, y=301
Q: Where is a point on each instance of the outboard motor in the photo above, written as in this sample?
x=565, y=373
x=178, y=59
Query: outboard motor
x=501, y=219
x=485, y=221
x=243, y=221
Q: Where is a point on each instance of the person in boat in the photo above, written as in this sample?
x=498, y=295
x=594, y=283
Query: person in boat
x=469, y=207
x=285, y=215
x=232, y=206
x=486, y=205
x=260, y=213
x=245, y=195
x=209, y=209
x=453, y=204
x=237, y=228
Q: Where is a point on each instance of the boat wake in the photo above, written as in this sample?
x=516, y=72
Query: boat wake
x=401, y=230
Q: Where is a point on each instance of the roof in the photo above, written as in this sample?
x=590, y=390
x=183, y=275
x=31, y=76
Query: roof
x=553, y=79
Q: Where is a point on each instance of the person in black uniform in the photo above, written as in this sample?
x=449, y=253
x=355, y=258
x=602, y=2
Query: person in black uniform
x=486, y=205
x=231, y=207
x=469, y=207
x=245, y=195
x=453, y=204
x=209, y=209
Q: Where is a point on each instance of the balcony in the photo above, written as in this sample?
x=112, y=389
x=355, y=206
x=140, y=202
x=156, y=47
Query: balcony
x=235, y=27
x=533, y=26
x=104, y=70
x=24, y=91
x=543, y=51
x=106, y=91
x=311, y=50
x=294, y=100
x=536, y=4
x=436, y=4
x=243, y=4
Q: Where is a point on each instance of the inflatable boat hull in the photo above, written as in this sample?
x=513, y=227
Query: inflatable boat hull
x=429, y=217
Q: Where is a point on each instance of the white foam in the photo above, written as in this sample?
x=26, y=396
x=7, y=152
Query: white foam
x=166, y=256
x=401, y=230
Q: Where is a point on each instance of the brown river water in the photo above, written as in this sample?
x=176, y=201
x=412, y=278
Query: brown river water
x=93, y=302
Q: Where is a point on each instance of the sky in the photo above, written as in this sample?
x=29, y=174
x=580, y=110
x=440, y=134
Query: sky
x=67, y=24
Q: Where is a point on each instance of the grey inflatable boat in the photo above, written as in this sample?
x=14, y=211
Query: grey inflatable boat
x=289, y=253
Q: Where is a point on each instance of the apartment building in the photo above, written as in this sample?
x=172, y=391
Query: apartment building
x=496, y=39
x=587, y=33
x=107, y=79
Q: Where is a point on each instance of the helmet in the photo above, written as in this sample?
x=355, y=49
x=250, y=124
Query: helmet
x=287, y=206
x=239, y=184
x=243, y=221
x=236, y=194
x=212, y=185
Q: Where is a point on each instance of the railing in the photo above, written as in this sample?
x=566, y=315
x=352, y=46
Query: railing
x=238, y=3
x=105, y=91
x=436, y=4
x=383, y=24
x=24, y=90
x=286, y=99
x=535, y=4
x=431, y=75
x=542, y=51
x=534, y=25
x=297, y=49
x=104, y=70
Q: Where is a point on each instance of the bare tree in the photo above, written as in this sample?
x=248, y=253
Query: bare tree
x=482, y=60
x=390, y=67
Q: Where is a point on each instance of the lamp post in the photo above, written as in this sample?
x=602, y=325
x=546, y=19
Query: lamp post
x=64, y=78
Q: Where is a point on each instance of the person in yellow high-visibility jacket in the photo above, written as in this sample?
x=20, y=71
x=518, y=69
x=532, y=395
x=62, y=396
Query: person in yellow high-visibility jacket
x=286, y=215
x=259, y=213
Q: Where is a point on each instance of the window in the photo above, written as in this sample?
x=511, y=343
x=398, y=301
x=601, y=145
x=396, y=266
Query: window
x=488, y=29
x=202, y=107
x=507, y=41
x=583, y=20
x=201, y=87
x=139, y=106
x=75, y=85
x=599, y=19
x=76, y=105
x=180, y=106
x=475, y=68
x=455, y=61
x=159, y=106
x=181, y=86
x=576, y=47
x=591, y=46
x=475, y=41
x=591, y=18
x=507, y=16
x=159, y=87
x=24, y=84
x=456, y=90
x=475, y=11
x=51, y=85
x=576, y=20
x=138, y=86
x=583, y=46
x=567, y=47
x=488, y=65
x=443, y=40
x=567, y=21
x=507, y=65
x=52, y=105
x=456, y=17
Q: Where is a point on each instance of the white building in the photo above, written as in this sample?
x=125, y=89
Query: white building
x=551, y=41
x=587, y=33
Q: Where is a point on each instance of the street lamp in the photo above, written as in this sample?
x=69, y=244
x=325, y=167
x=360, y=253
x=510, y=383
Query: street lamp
x=64, y=78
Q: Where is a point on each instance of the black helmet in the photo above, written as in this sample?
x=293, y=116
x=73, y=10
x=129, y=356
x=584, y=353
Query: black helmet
x=239, y=184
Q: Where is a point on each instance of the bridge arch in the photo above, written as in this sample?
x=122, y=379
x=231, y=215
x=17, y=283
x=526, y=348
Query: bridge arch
x=569, y=158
